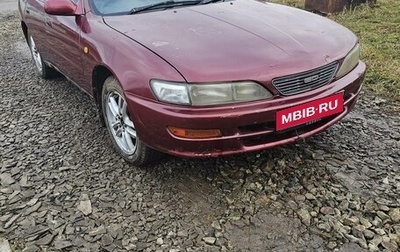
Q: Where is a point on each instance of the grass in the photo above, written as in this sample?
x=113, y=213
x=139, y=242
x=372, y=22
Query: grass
x=378, y=28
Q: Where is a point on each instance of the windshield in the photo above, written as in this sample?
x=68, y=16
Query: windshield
x=115, y=7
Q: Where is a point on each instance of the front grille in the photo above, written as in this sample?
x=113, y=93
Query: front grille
x=306, y=81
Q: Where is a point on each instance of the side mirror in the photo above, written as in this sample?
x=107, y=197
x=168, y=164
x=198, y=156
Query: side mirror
x=60, y=7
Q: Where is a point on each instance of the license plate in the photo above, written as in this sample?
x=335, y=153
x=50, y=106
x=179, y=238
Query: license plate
x=308, y=112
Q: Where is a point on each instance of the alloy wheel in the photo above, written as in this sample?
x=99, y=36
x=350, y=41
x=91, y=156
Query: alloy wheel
x=121, y=126
x=35, y=55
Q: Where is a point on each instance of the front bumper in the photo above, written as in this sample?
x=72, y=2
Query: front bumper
x=245, y=127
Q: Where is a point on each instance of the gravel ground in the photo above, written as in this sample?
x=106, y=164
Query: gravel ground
x=64, y=188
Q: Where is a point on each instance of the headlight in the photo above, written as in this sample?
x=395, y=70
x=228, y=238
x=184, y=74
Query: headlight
x=350, y=62
x=176, y=93
x=208, y=94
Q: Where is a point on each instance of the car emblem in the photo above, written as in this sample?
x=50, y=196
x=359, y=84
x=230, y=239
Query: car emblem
x=310, y=79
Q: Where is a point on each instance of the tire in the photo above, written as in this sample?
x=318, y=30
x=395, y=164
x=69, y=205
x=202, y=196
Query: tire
x=121, y=128
x=42, y=68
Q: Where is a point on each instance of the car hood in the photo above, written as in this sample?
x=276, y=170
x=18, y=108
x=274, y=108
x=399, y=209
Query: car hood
x=237, y=40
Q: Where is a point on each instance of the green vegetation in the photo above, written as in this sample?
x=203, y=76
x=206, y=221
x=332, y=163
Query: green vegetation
x=378, y=28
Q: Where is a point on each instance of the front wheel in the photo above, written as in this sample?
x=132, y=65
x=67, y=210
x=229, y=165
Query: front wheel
x=120, y=126
x=43, y=70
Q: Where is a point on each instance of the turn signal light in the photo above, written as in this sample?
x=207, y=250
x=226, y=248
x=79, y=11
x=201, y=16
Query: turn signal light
x=194, y=134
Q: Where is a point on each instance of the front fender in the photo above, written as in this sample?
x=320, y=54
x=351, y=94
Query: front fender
x=130, y=62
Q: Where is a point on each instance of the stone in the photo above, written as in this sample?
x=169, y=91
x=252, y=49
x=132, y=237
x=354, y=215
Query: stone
x=98, y=231
x=365, y=222
x=359, y=228
x=371, y=206
x=7, y=190
x=4, y=245
x=32, y=202
x=316, y=241
x=357, y=233
x=171, y=234
x=140, y=246
x=350, y=247
x=216, y=225
x=160, y=241
x=390, y=246
x=11, y=221
x=377, y=222
x=24, y=181
x=394, y=215
x=344, y=205
x=310, y=196
x=304, y=216
x=380, y=231
x=363, y=243
x=331, y=245
x=374, y=243
x=384, y=208
x=325, y=227
x=106, y=240
x=352, y=238
x=300, y=198
x=46, y=240
x=209, y=240
x=339, y=227
x=12, y=196
x=382, y=215
x=6, y=179
x=327, y=210
x=182, y=233
x=351, y=221
x=386, y=181
x=385, y=239
x=395, y=238
x=33, y=208
x=31, y=248
x=65, y=168
x=5, y=217
x=62, y=244
x=85, y=206
x=293, y=205
x=115, y=231
x=69, y=230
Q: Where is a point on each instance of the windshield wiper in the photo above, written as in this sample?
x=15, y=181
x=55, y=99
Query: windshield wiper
x=165, y=4
x=210, y=1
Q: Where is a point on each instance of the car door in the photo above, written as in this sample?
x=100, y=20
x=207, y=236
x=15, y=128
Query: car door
x=63, y=40
x=33, y=10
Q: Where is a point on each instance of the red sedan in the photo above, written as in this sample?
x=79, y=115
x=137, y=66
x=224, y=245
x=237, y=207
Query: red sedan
x=198, y=78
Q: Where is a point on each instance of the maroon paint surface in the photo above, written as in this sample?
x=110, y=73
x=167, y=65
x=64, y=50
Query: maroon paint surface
x=226, y=41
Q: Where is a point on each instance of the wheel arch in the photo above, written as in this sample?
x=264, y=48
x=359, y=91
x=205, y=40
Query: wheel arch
x=99, y=75
x=24, y=30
